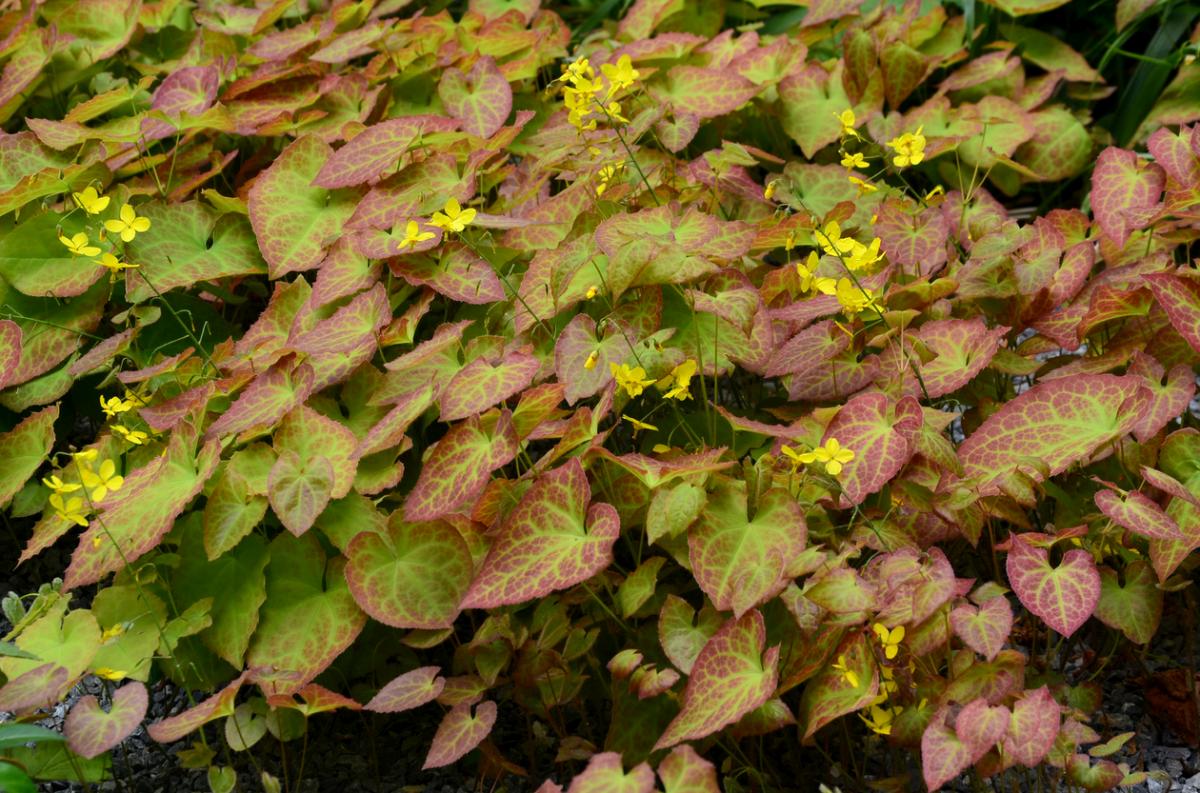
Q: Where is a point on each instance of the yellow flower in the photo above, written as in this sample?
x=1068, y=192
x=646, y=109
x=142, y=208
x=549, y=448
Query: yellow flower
x=453, y=217
x=103, y=480
x=638, y=426
x=809, y=281
x=934, y=193
x=114, y=405
x=864, y=187
x=620, y=75
x=847, y=120
x=682, y=376
x=832, y=455
x=590, y=363
x=863, y=255
x=114, y=265
x=606, y=174
x=792, y=455
x=85, y=456
x=832, y=241
x=909, y=148
x=58, y=485
x=881, y=719
x=633, y=380
x=849, y=675
x=68, y=509
x=136, y=437
x=129, y=225
x=591, y=292
x=580, y=69
x=852, y=161
x=614, y=112
x=789, y=241
x=413, y=234
x=109, y=674
x=890, y=639
x=660, y=448
x=91, y=201
x=112, y=633
x=78, y=244
x=854, y=300
x=769, y=190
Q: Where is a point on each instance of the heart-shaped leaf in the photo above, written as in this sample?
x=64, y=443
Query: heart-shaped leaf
x=460, y=732
x=1134, y=607
x=91, y=731
x=1063, y=596
x=983, y=629
x=605, y=774
x=409, y=690
x=1033, y=727
x=980, y=727
x=481, y=99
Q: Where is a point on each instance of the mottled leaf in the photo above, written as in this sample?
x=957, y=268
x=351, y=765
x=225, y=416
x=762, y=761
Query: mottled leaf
x=91, y=730
x=1064, y=596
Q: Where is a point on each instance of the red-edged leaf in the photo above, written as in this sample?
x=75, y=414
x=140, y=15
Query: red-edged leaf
x=1180, y=298
x=739, y=561
x=1033, y=728
x=983, y=629
x=980, y=727
x=460, y=464
x=23, y=450
x=409, y=690
x=376, y=150
x=39, y=687
x=1138, y=513
x=483, y=383
x=91, y=731
x=481, y=98
x=545, y=543
x=459, y=273
x=413, y=575
x=879, y=434
x=731, y=677
x=943, y=755
x=963, y=348
x=215, y=707
x=831, y=694
x=1173, y=151
x=682, y=634
x=313, y=699
x=299, y=489
x=703, y=92
x=459, y=733
x=266, y=400
x=915, y=242
x=605, y=774
x=10, y=349
x=1064, y=596
x=1125, y=192
x=685, y=771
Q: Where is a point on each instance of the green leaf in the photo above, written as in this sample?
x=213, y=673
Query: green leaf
x=18, y=734
x=1133, y=607
x=24, y=449
x=14, y=780
x=681, y=634
x=66, y=639
x=36, y=263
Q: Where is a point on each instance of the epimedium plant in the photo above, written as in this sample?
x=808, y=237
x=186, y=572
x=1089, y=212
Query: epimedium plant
x=686, y=381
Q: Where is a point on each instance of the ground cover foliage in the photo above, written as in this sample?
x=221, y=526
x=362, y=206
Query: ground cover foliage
x=700, y=387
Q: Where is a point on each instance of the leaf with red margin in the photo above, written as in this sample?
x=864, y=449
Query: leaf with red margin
x=1097, y=776
x=1138, y=513
x=1180, y=298
x=483, y=383
x=1135, y=607
x=139, y=515
x=703, y=92
x=308, y=619
x=964, y=348
x=1064, y=596
x=294, y=221
x=879, y=434
x=460, y=464
x=1169, y=485
x=1169, y=396
x=481, y=99
x=545, y=544
x=459, y=733
x=829, y=695
x=188, y=91
x=10, y=350
x=390, y=430
x=1173, y=151
x=685, y=771
x=24, y=448
x=653, y=472
x=810, y=347
x=314, y=699
x=910, y=240
x=410, y=690
x=1060, y=422
x=980, y=727
x=91, y=731
x=943, y=755
x=377, y=150
x=605, y=774
x=217, y=706
x=574, y=349
x=343, y=273
x=983, y=629
x=682, y=633
x=742, y=562
x=1033, y=728
x=39, y=687
x=731, y=677
x=299, y=489
x=458, y=273
x=412, y=575
x=353, y=326
x=308, y=434
x=415, y=192
x=266, y=400
x=811, y=99
x=1125, y=192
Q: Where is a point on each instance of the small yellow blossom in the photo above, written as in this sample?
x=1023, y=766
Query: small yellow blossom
x=129, y=225
x=114, y=265
x=849, y=675
x=792, y=455
x=633, y=380
x=831, y=454
x=453, y=217
x=621, y=74
x=890, y=639
x=864, y=187
x=58, y=485
x=810, y=281
x=789, y=241
x=638, y=426
x=934, y=193
x=103, y=480
x=769, y=190
x=109, y=674
x=881, y=719
x=847, y=120
x=855, y=300
x=90, y=201
x=681, y=377
x=414, y=236
x=114, y=405
x=613, y=111
x=136, y=437
x=606, y=174
x=68, y=509
x=112, y=633
x=78, y=244
x=591, y=292
x=86, y=456
x=832, y=242
x=590, y=363
x=660, y=448
x=855, y=160
x=864, y=255
x=909, y=148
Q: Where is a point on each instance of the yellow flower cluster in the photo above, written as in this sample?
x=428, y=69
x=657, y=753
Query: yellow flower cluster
x=452, y=219
x=853, y=253
x=588, y=98
x=909, y=148
x=881, y=716
x=127, y=226
x=606, y=174
x=99, y=481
